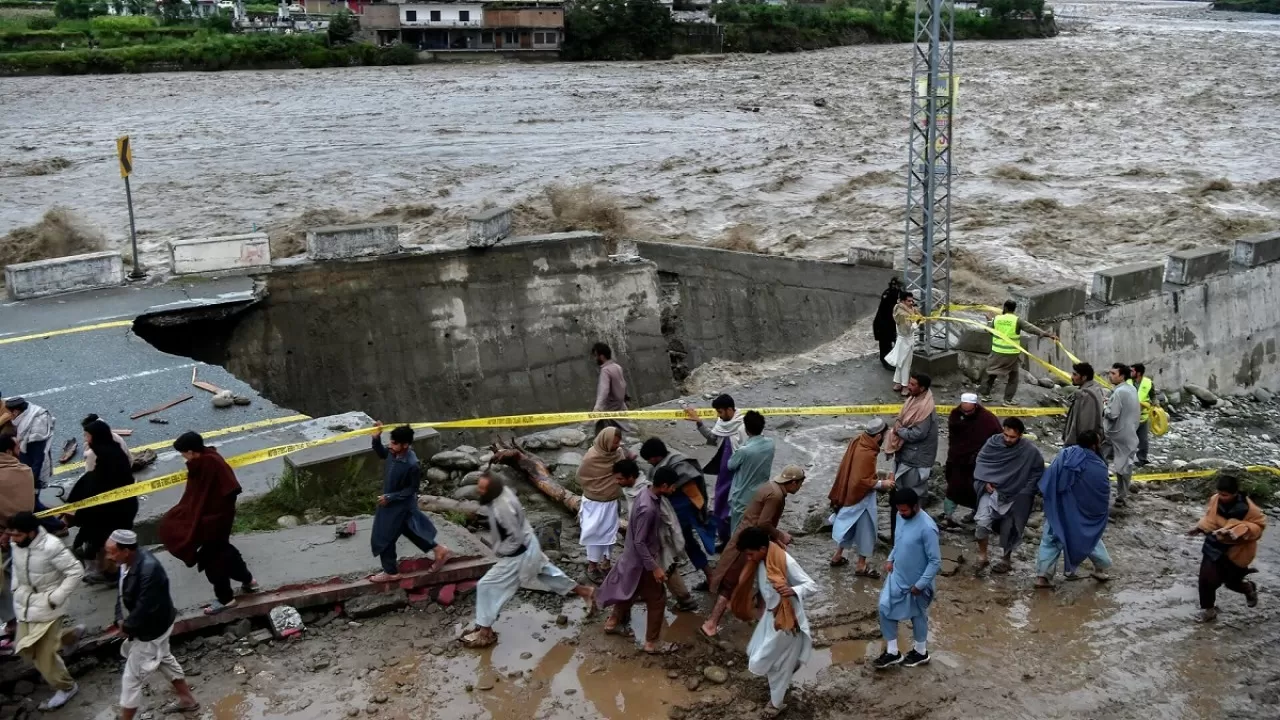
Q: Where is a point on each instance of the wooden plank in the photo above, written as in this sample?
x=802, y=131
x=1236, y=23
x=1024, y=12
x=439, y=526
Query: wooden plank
x=166, y=406
x=122, y=432
x=207, y=386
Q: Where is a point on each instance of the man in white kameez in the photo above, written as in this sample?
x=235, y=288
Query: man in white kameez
x=144, y=616
x=521, y=563
x=776, y=598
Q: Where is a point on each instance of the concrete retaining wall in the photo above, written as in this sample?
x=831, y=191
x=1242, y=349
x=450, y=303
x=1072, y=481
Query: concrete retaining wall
x=64, y=274
x=349, y=241
x=1217, y=327
x=454, y=334
x=744, y=306
x=229, y=252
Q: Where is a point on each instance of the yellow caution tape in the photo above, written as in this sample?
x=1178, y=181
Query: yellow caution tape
x=67, y=331
x=257, y=425
x=257, y=456
x=1191, y=474
x=1159, y=417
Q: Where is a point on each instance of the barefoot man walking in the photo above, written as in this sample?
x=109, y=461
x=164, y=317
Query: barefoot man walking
x=398, y=514
x=520, y=563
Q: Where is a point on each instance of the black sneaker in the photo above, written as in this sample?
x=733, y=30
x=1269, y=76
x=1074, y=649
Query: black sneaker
x=886, y=661
x=914, y=659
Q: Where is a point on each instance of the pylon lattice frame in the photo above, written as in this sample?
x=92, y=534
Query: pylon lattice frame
x=927, y=266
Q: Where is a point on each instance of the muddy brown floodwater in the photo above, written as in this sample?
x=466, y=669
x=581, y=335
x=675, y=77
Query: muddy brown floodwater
x=1146, y=127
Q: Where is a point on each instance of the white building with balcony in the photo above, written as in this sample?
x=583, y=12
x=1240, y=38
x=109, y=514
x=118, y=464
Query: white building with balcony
x=441, y=15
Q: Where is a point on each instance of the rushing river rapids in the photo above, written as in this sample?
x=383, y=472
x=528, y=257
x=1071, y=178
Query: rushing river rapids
x=1139, y=130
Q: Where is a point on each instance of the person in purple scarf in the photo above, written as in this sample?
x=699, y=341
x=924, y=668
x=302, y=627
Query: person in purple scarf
x=1076, y=494
x=639, y=574
x=729, y=434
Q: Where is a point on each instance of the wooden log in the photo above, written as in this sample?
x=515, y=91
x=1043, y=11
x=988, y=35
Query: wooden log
x=436, y=503
x=536, y=470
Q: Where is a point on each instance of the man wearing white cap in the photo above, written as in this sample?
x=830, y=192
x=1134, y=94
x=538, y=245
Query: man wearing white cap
x=969, y=427
x=144, y=616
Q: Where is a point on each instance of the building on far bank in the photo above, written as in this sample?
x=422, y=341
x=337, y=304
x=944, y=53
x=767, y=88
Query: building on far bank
x=535, y=26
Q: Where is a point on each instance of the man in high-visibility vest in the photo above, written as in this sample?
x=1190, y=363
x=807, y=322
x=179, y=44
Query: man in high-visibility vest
x=1146, y=392
x=1006, y=349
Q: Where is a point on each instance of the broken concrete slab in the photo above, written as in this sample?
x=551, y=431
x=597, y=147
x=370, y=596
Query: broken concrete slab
x=303, y=567
x=1192, y=266
x=354, y=457
x=1128, y=282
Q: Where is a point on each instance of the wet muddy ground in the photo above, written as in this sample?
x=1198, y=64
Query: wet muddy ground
x=1138, y=131
x=1124, y=649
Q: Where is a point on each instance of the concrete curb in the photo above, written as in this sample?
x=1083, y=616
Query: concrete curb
x=415, y=575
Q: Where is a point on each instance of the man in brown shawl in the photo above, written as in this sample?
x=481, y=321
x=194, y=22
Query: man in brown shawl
x=598, y=513
x=853, y=499
x=764, y=511
x=197, y=530
x=970, y=426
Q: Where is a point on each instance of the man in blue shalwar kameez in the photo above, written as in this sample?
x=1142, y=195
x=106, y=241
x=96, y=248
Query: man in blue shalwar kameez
x=398, y=514
x=909, y=588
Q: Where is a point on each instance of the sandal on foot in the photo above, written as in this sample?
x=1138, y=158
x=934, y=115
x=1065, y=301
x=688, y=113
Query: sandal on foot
x=868, y=572
x=1251, y=595
x=443, y=555
x=216, y=607
x=174, y=707
x=477, y=640
x=666, y=648
x=840, y=563
x=384, y=577
x=1002, y=568
x=713, y=639
x=621, y=630
x=1043, y=584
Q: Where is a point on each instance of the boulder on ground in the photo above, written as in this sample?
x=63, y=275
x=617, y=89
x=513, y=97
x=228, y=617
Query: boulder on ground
x=1205, y=397
x=454, y=460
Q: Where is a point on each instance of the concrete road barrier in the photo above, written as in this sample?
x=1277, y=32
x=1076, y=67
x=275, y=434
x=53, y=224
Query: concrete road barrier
x=209, y=254
x=1050, y=302
x=1257, y=250
x=1128, y=282
x=486, y=229
x=64, y=274
x=1186, y=267
x=349, y=241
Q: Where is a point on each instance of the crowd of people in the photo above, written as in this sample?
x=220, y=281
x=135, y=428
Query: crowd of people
x=991, y=468
x=674, y=515
x=43, y=571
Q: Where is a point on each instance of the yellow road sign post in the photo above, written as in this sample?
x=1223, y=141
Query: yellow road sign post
x=124, y=152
